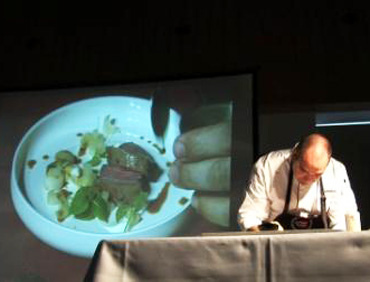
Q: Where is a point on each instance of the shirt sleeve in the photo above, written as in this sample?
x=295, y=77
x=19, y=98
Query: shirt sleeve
x=344, y=203
x=255, y=206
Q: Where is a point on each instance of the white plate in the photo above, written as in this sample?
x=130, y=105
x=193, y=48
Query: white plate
x=59, y=130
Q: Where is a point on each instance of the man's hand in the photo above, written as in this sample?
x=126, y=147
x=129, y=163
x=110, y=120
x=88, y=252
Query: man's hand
x=203, y=161
x=266, y=226
x=203, y=158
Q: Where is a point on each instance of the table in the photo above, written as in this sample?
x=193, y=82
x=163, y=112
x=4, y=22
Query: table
x=278, y=256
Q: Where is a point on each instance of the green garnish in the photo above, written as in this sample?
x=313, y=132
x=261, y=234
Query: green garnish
x=72, y=182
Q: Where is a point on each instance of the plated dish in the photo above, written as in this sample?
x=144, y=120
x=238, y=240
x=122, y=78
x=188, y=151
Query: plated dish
x=94, y=170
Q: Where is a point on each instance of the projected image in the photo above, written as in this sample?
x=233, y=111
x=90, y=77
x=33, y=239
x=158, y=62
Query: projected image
x=136, y=162
x=203, y=153
x=96, y=166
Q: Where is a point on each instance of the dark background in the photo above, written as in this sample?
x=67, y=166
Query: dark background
x=305, y=54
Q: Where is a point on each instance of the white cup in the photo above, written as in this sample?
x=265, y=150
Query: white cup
x=353, y=222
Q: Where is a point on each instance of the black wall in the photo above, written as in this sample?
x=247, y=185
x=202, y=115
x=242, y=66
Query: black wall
x=306, y=52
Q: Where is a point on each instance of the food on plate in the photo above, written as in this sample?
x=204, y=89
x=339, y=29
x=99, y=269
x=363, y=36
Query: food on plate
x=99, y=179
x=131, y=156
x=122, y=185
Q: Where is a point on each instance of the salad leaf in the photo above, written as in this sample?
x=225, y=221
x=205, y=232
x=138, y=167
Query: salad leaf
x=55, y=178
x=63, y=212
x=133, y=218
x=72, y=182
x=101, y=208
x=109, y=127
x=141, y=201
x=93, y=143
x=122, y=211
x=65, y=158
x=86, y=215
x=80, y=202
x=87, y=176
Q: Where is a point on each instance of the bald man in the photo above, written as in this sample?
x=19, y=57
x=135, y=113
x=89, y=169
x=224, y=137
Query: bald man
x=299, y=188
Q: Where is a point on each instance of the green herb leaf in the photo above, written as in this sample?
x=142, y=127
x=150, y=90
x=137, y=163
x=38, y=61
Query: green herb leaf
x=100, y=207
x=80, y=202
x=121, y=212
x=63, y=213
x=87, y=215
x=96, y=160
x=141, y=201
x=93, y=142
x=133, y=218
x=65, y=157
x=109, y=127
x=55, y=178
x=87, y=177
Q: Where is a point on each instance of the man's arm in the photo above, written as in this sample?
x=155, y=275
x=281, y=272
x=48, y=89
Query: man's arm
x=352, y=215
x=255, y=206
x=343, y=211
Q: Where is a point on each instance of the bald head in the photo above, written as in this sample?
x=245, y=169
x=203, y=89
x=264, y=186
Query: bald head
x=314, y=143
x=311, y=157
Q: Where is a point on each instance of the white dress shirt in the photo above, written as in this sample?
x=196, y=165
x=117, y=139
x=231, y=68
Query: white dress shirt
x=267, y=188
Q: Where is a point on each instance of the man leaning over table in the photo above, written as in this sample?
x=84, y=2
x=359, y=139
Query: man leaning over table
x=300, y=188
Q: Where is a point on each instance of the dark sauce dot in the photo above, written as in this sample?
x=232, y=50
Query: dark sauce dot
x=142, y=137
x=45, y=157
x=183, y=201
x=79, y=134
x=160, y=150
x=31, y=163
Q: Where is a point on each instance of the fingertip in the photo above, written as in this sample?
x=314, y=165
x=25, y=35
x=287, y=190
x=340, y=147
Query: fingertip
x=179, y=148
x=174, y=173
x=195, y=202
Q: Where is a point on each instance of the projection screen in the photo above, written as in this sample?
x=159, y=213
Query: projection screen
x=152, y=159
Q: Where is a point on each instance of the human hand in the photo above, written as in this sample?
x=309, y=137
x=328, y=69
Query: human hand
x=266, y=226
x=203, y=161
x=203, y=158
x=280, y=228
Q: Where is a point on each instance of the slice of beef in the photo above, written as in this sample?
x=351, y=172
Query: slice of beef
x=131, y=156
x=123, y=185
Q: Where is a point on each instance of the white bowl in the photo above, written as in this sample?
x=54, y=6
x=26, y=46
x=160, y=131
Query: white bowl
x=57, y=131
